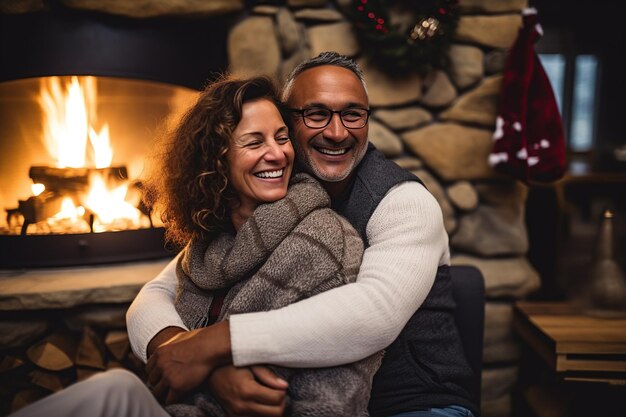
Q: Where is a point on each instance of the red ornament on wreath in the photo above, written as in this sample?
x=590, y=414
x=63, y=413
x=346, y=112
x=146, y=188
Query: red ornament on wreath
x=405, y=36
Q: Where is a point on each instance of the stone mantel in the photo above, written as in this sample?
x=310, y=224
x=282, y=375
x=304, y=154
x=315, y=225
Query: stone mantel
x=58, y=288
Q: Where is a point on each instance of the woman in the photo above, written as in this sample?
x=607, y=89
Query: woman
x=245, y=254
x=255, y=238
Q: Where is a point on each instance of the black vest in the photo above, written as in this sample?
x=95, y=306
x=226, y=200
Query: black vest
x=425, y=366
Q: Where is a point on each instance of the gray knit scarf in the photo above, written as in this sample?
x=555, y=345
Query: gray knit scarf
x=286, y=251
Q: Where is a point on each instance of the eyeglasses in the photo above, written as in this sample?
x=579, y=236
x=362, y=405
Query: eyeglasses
x=319, y=117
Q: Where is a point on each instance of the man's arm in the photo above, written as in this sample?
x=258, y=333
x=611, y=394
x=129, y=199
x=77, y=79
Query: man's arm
x=186, y=360
x=407, y=244
x=257, y=391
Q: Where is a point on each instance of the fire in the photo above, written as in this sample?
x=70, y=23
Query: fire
x=69, y=113
x=103, y=153
x=69, y=116
x=112, y=211
x=37, y=189
x=69, y=211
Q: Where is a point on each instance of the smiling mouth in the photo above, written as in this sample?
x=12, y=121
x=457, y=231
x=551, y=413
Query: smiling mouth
x=332, y=152
x=270, y=174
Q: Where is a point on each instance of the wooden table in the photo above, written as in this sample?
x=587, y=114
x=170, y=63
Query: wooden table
x=584, y=358
x=573, y=345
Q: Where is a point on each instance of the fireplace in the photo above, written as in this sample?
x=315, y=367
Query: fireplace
x=71, y=277
x=82, y=98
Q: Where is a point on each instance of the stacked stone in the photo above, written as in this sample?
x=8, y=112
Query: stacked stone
x=438, y=126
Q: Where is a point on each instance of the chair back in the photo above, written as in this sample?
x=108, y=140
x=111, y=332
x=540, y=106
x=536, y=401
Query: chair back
x=468, y=290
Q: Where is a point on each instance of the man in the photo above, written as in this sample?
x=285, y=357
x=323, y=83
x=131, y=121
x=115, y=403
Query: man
x=405, y=267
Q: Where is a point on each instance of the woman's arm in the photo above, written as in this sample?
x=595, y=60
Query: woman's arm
x=179, y=359
x=153, y=311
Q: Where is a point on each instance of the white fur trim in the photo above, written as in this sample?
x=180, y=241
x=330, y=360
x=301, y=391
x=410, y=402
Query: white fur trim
x=499, y=132
x=496, y=158
x=529, y=11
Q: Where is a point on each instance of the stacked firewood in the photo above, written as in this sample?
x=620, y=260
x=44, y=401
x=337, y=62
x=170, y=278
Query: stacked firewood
x=60, y=359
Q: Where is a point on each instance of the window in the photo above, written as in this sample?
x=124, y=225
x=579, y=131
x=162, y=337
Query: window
x=554, y=64
x=583, y=105
x=574, y=80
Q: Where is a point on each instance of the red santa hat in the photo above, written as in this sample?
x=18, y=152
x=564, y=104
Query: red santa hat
x=528, y=140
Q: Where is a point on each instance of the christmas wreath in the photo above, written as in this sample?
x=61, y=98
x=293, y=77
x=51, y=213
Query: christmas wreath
x=403, y=36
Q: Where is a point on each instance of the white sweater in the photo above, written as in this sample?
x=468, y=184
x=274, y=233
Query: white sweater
x=407, y=243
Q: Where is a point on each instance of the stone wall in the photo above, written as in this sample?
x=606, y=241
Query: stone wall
x=438, y=126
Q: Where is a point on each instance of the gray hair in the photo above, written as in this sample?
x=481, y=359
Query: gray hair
x=324, y=58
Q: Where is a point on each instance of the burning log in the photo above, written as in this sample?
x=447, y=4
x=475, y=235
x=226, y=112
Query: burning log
x=61, y=184
x=74, y=180
x=40, y=207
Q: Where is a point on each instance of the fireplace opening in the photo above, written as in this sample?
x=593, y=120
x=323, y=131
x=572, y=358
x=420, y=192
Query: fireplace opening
x=71, y=158
x=131, y=75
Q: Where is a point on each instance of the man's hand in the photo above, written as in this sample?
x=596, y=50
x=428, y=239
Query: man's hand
x=186, y=360
x=252, y=391
x=162, y=337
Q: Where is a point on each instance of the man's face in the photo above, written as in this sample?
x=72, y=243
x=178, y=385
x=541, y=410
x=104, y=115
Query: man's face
x=330, y=153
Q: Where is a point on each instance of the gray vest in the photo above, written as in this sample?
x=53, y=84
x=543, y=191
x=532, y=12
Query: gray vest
x=425, y=366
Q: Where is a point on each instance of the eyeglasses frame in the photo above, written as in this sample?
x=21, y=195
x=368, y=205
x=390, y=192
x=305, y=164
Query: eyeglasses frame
x=300, y=112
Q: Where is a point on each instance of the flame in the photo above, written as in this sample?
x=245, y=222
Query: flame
x=37, y=189
x=69, y=211
x=103, y=153
x=69, y=112
x=110, y=206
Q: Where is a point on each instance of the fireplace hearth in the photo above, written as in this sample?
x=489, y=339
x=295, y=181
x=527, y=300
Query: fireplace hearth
x=54, y=250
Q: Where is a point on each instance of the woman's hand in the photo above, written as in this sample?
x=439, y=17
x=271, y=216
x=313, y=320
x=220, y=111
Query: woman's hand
x=186, y=360
x=251, y=391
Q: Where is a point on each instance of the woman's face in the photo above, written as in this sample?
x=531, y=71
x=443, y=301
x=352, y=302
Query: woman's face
x=260, y=155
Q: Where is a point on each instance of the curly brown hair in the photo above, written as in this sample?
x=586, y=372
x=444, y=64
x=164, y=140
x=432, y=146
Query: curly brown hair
x=189, y=183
